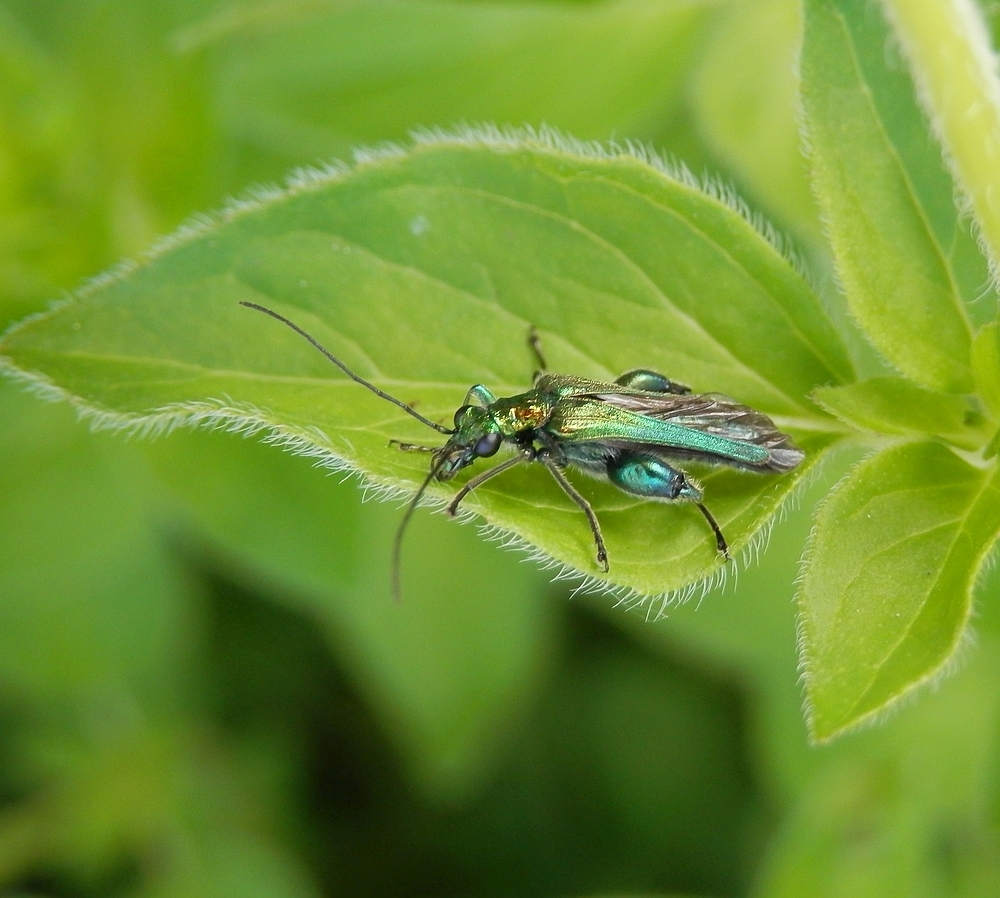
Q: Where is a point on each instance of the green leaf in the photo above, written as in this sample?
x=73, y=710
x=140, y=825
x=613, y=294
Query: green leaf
x=892, y=405
x=986, y=371
x=887, y=590
x=986, y=366
x=911, y=272
x=949, y=49
x=423, y=271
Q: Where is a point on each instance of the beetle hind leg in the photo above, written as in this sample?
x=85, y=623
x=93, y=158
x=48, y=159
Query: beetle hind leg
x=651, y=477
x=651, y=382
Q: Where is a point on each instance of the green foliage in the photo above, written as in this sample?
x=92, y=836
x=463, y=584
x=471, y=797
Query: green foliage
x=205, y=687
x=296, y=85
x=913, y=278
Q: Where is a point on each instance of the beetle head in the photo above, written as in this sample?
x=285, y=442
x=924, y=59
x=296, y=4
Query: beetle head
x=476, y=436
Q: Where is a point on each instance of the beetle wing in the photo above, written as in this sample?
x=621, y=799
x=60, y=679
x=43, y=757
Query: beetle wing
x=706, y=426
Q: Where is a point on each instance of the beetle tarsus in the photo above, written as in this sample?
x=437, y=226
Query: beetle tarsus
x=720, y=540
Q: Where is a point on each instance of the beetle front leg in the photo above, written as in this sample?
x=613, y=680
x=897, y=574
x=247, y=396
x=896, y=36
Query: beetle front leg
x=452, y=508
x=411, y=447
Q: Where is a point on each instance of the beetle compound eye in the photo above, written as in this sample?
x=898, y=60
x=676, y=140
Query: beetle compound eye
x=487, y=445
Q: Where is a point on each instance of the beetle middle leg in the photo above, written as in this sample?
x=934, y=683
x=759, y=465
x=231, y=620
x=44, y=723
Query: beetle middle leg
x=650, y=477
x=595, y=526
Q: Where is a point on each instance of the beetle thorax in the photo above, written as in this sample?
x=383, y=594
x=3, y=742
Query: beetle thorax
x=529, y=411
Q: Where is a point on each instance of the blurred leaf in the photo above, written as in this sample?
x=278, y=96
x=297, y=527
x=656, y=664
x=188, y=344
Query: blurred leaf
x=745, y=94
x=949, y=49
x=892, y=405
x=147, y=111
x=98, y=628
x=910, y=268
x=899, y=811
x=887, y=589
x=48, y=227
x=630, y=775
x=447, y=671
x=104, y=141
x=683, y=791
x=90, y=606
x=398, y=268
x=305, y=82
x=191, y=815
x=235, y=865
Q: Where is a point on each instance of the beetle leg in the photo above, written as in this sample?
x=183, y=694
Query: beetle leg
x=650, y=477
x=452, y=508
x=720, y=540
x=585, y=507
x=551, y=449
x=535, y=344
x=651, y=381
x=410, y=447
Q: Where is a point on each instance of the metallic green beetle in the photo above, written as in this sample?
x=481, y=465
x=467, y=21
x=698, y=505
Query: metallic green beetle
x=628, y=432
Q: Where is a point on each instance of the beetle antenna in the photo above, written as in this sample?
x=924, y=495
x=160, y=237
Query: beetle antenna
x=439, y=428
x=397, y=546
x=720, y=540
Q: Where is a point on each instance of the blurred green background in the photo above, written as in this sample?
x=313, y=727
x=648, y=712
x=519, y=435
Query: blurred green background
x=205, y=688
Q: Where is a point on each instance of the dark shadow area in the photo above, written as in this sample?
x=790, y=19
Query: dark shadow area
x=630, y=774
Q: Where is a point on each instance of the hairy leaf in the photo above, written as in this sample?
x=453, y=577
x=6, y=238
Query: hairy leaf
x=911, y=271
x=423, y=271
x=892, y=405
x=949, y=48
x=887, y=592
